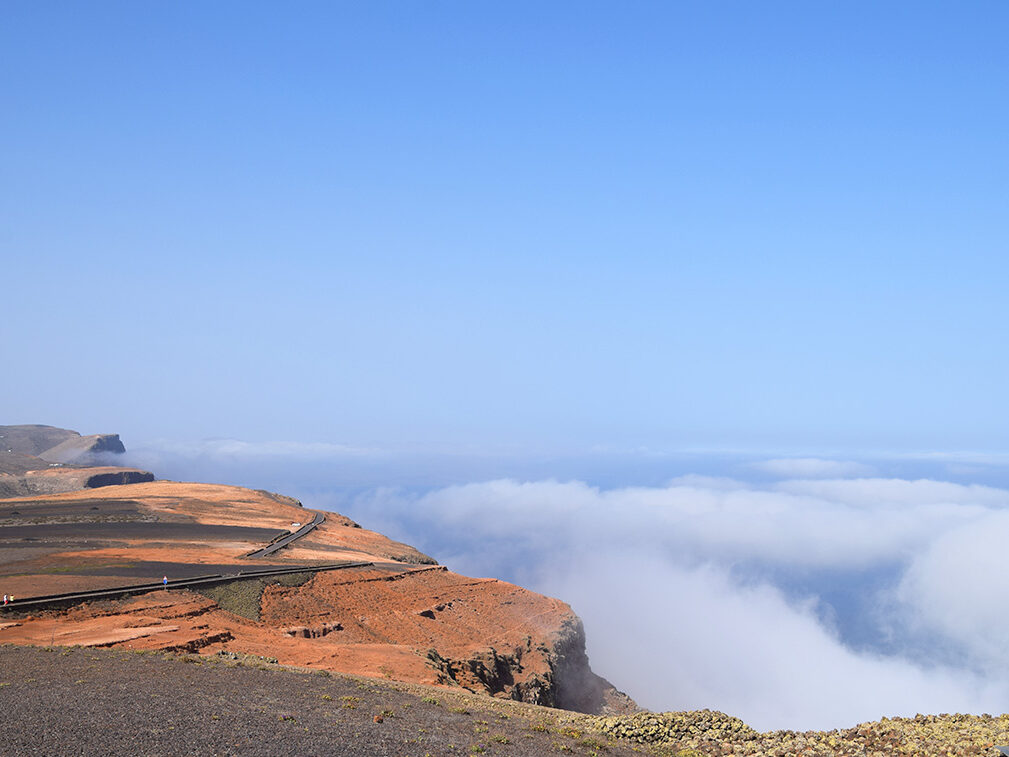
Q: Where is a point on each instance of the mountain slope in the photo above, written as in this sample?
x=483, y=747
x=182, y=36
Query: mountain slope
x=363, y=604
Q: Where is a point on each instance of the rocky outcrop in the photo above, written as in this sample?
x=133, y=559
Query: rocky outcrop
x=116, y=477
x=576, y=687
x=60, y=480
x=677, y=727
x=84, y=449
x=40, y=460
x=493, y=673
x=566, y=683
x=318, y=632
x=57, y=445
x=483, y=635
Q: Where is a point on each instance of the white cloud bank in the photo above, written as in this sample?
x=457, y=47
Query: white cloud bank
x=958, y=586
x=816, y=599
x=811, y=467
x=236, y=449
x=695, y=638
x=711, y=592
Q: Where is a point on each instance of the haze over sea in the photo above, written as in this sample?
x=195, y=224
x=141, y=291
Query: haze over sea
x=792, y=592
x=690, y=314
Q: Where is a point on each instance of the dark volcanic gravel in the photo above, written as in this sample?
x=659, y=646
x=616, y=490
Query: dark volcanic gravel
x=155, y=530
x=99, y=702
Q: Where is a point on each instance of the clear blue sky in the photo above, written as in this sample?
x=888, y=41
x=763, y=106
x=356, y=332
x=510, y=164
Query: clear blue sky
x=531, y=224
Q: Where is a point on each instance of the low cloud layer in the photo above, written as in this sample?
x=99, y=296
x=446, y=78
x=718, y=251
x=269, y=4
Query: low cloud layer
x=799, y=604
x=812, y=467
x=809, y=525
x=689, y=638
x=808, y=595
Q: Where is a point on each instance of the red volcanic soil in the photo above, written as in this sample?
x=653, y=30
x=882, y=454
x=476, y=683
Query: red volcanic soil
x=400, y=617
x=121, y=535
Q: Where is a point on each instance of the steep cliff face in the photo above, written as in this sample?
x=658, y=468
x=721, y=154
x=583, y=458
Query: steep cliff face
x=377, y=607
x=555, y=673
x=99, y=477
x=59, y=480
x=576, y=686
x=387, y=613
x=40, y=460
x=484, y=635
x=84, y=449
x=57, y=445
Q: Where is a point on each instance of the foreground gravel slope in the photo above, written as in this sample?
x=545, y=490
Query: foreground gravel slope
x=60, y=701
x=114, y=702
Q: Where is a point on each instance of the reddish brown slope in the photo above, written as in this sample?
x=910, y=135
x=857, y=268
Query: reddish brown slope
x=398, y=618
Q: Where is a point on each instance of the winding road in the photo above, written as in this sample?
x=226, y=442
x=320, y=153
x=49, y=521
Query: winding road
x=50, y=600
x=281, y=543
x=179, y=583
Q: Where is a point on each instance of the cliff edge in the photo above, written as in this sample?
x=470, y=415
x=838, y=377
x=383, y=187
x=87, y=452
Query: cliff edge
x=38, y=459
x=323, y=592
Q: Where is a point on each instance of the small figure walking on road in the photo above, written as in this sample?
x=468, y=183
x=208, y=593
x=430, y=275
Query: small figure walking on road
x=165, y=582
x=5, y=600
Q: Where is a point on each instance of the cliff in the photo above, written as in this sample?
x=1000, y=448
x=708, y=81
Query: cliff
x=48, y=460
x=339, y=597
x=84, y=448
x=57, y=445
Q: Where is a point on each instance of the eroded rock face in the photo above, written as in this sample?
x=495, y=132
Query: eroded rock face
x=500, y=674
x=60, y=480
x=568, y=682
x=117, y=477
x=316, y=632
x=576, y=686
x=484, y=635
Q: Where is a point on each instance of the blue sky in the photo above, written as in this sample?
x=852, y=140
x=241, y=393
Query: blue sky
x=525, y=226
x=711, y=295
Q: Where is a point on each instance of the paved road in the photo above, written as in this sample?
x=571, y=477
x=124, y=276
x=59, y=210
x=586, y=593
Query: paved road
x=78, y=596
x=281, y=543
x=179, y=583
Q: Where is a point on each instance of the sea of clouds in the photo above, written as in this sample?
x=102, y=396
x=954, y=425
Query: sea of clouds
x=793, y=592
